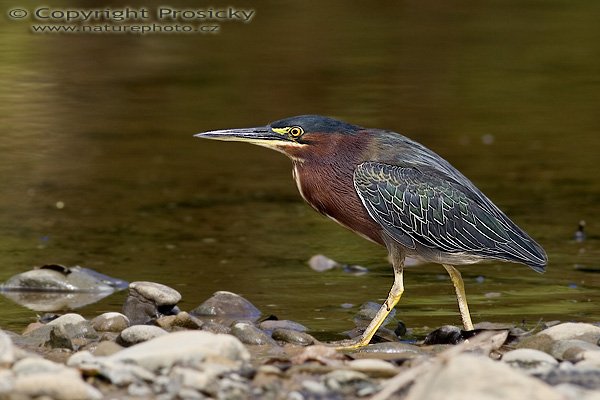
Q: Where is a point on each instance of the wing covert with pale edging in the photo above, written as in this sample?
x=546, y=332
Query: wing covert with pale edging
x=423, y=209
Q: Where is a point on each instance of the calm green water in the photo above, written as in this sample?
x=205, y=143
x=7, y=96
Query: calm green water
x=509, y=92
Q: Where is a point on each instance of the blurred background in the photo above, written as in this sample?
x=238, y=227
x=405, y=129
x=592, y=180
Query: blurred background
x=98, y=166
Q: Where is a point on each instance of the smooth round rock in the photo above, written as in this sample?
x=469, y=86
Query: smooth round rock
x=110, y=322
x=184, y=347
x=139, y=333
x=250, y=334
x=70, y=318
x=227, y=304
x=373, y=367
x=530, y=361
x=293, y=337
x=159, y=294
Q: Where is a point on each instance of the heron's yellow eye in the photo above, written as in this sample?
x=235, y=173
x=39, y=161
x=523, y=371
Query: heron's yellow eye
x=296, y=131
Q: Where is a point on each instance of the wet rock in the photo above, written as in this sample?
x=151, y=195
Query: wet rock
x=182, y=347
x=530, y=361
x=293, y=337
x=250, y=334
x=571, y=350
x=320, y=263
x=110, y=322
x=228, y=305
x=468, y=376
x=357, y=270
x=7, y=351
x=271, y=325
x=390, y=351
x=139, y=333
x=106, y=348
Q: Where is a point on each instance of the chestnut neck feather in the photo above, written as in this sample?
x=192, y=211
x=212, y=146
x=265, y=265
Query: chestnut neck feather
x=324, y=175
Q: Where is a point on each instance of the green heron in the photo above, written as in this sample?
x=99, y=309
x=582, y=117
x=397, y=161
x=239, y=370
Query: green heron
x=397, y=193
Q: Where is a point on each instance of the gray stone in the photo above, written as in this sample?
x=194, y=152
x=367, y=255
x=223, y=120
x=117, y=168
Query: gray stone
x=106, y=348
x=468, y=376
x=349, y=382
x=293, y=337
x=110, y=322
x=530, y=361
x=194, y=379
x=271, y=325
x=139, y=390
x=66, y=385
x=390, y=351
x=65, y=319
x=181, y=320
x=182, y=347
x=139, y=333
x=572, y=349
x=157, y=293
x=227, y=304
x=250, y=334
x=7, y=351
x=215, y=327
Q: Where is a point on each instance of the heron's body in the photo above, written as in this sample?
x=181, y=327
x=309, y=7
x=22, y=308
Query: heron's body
x=395, y=192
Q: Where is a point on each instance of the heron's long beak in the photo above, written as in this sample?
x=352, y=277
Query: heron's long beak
x=263, y=136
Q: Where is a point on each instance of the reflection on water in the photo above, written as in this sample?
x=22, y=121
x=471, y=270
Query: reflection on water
x=99, y=166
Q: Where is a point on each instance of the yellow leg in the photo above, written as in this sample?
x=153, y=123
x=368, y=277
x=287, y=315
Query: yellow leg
x=459, y=286
x=391, y=301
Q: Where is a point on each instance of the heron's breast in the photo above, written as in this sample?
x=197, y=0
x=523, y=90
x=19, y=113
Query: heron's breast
x=330, y=191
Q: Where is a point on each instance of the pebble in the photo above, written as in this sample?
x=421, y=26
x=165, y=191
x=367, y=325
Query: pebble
x=110, y=322
x=227, y=304
x=530, y=361
x=373, y=367
x=139, y=333
x=573, y=330
x=29, y=366
x=149, y=300
x=181, y=320
x=182, y=347
x=106, y=348
x=71, y=336
x=249, y=334
x=293, y=337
